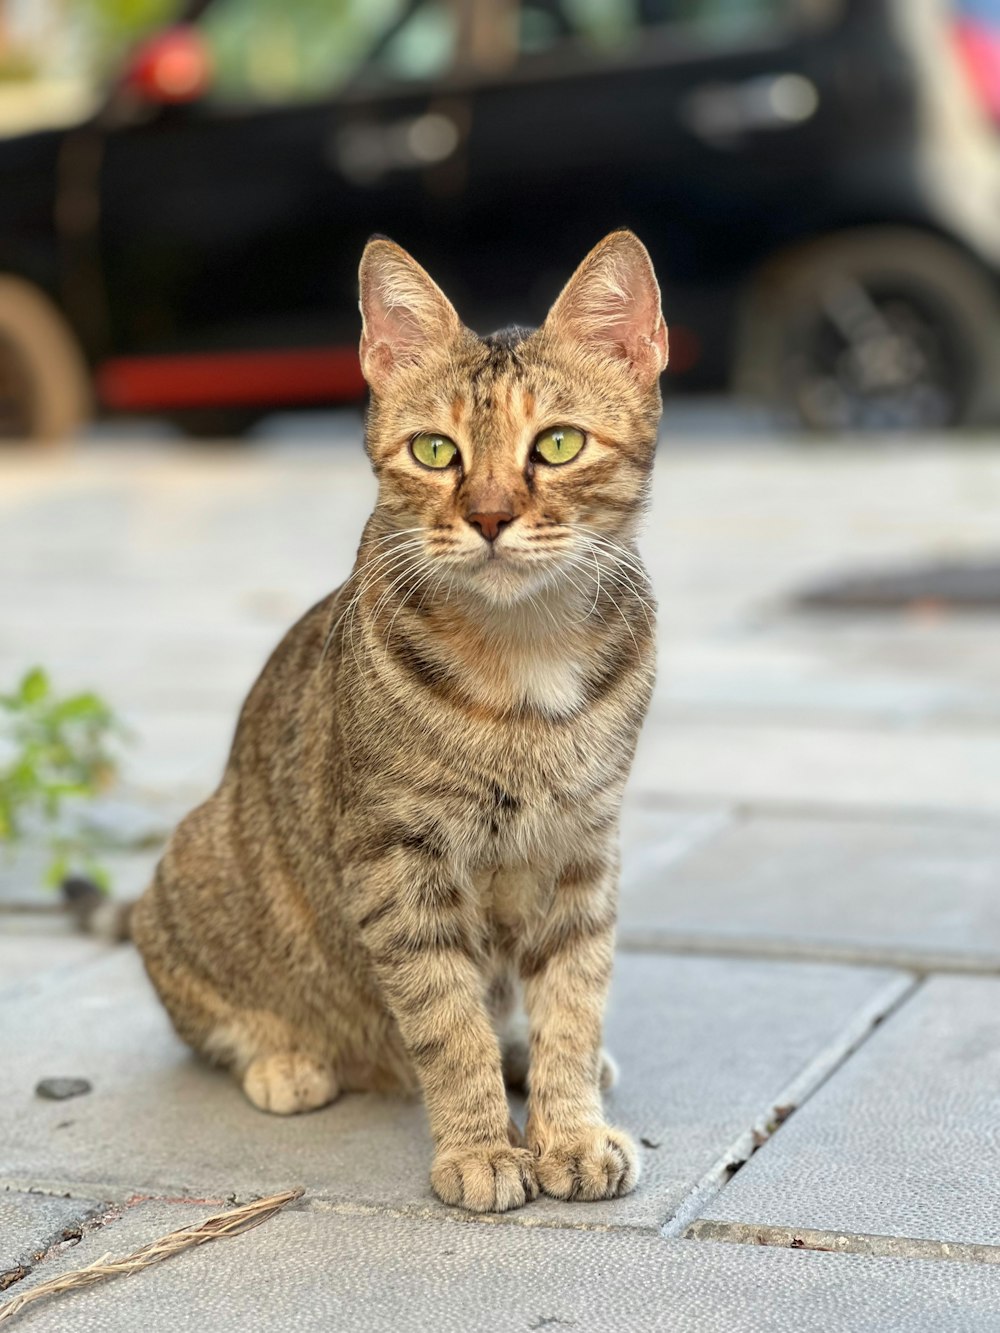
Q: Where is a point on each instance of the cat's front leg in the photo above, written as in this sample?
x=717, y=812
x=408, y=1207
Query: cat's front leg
x=423, y=951
x=566, y=975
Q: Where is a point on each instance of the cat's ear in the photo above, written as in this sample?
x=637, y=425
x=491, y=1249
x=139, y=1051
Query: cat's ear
x=611, y=305
x=404, y=312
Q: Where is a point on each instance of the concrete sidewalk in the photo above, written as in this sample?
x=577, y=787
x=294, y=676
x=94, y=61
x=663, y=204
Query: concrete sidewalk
x=806, y=1000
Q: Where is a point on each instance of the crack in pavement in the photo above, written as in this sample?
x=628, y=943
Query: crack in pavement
x=806, y=1084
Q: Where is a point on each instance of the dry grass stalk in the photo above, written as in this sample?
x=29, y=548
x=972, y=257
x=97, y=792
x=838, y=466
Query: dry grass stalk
x=232, y=1223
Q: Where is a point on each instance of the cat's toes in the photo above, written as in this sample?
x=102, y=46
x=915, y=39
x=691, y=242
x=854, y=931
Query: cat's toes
x=288, y=1083
x=485, y=1179
x=595, y=1163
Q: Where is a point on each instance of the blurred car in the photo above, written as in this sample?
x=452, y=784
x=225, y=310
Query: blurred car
x=818, y=182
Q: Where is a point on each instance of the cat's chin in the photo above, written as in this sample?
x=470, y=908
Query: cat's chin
x=504, y=582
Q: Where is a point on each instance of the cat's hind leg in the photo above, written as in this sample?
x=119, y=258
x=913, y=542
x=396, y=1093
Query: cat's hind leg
x=281, y=1068
x=289, y=1082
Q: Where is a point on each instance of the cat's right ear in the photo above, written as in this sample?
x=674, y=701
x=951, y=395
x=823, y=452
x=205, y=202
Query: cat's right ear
x=404, y=312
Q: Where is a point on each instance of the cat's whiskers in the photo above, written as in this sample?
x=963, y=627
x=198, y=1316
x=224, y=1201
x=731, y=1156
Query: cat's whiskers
x=411, y=566
x=617, y=605
x=378, y=568
x=597, y=572
x=427, y=571
x=624, y=619
x=612, y=545
x=624, y=565
x=577, y=564
x=374, y=568
x=400, y=532
x=421, y=570
x=619, y=576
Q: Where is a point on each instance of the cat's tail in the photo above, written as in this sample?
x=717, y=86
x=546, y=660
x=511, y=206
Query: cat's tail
x=95, y=913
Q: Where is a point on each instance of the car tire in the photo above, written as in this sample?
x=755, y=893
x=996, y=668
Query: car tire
x=45, y=391
x=881, y=328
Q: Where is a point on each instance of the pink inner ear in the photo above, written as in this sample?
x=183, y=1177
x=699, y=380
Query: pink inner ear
x=392, y=336
x=403, y=309
x=612, y=304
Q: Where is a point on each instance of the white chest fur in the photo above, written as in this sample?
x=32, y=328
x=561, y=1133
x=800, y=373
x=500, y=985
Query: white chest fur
x=550, y=683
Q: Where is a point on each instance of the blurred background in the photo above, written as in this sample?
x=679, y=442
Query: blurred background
x=185, y=190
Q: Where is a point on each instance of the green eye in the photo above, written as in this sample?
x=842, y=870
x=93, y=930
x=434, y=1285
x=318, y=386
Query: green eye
x=560, y=444
x=434, y=450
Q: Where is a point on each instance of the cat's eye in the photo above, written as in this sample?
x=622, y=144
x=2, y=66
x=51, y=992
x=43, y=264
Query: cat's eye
x=434, y=450
x=560, y=444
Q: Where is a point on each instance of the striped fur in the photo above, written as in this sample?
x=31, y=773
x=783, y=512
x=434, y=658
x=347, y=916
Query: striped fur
x=418, y=824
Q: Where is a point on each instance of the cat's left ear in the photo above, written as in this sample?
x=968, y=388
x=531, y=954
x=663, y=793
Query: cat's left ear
x=404, y=312
x=611, y=305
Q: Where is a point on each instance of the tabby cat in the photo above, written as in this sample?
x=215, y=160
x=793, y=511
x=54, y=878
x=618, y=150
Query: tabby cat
x=418, y=823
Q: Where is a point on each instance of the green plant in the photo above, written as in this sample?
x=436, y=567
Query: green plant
x=56, y=755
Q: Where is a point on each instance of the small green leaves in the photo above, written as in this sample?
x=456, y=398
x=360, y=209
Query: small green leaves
x=435, y=451
x=34, y=687
x=560, y=444
x=55, y=755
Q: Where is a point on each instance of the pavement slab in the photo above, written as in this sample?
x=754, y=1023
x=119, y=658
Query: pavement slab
x=32, y=1224
x=843, y=767
x=709, y=1049
x=313, y=1269
x=27, y=958
x=908, y=670
x=916, y=894
x=654, y=839
x=903, y=1142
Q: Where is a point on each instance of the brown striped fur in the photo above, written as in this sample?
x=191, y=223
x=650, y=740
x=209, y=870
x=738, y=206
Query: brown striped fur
x=418, y=823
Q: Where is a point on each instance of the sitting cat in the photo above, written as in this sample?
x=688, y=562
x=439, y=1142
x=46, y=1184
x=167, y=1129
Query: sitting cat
x=418, y=822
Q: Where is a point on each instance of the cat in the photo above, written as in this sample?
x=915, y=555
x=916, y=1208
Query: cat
x=418, y=822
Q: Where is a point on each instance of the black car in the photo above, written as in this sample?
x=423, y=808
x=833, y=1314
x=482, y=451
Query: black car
x=818, y=182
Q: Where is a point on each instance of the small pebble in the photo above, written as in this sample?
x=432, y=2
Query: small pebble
x=58, y=1089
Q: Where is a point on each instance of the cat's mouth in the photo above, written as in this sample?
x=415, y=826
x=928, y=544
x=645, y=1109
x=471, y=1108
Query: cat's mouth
x=496, y=557
x=505, y=575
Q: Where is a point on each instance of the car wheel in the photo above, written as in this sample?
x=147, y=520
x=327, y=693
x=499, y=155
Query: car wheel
x=44, y=385
x=872, y=330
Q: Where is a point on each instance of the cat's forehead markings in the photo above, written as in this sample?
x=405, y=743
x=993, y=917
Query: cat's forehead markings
x=457, y=408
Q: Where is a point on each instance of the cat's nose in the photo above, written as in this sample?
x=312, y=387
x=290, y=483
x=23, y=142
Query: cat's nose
x=489, y=524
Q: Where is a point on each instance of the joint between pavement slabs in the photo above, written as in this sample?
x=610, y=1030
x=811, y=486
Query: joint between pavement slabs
x=917, y=961
x=837, y=1242
x=99, y=1217
x=733, y=810
x=117, y=1201
x=520, y=1217
x=817, y=1072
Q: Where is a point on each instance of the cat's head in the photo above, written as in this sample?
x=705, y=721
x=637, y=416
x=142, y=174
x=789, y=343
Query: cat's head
x=509, y=460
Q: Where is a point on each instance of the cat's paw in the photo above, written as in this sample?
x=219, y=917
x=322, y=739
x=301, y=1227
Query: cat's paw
x=485, y=1178
x=289, y=1083
x=594, y=1163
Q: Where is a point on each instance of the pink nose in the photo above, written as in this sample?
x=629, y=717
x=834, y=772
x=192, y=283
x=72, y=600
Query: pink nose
x=490, y=524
